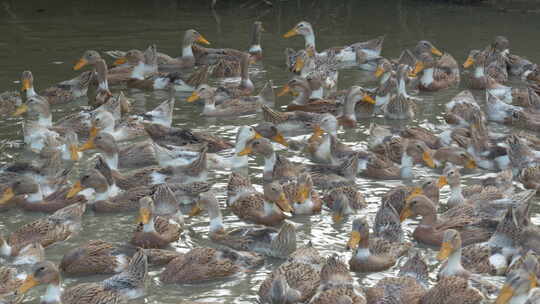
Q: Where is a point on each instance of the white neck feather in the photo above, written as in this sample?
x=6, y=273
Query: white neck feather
x=270, y=209
x=5, y=249
x=427, y=77
x=53, y=294
x=317, y=93
x=385, y=77
x=105, y=195
x=112, y=161
x=406, y=166
x=104, y=85
x=310, y=39
x=187, y=51
x=363, y=253
x=216, y=223
x=479, y=72
x=453, y=265
x=30, y=92
x=149, y=227
x=36, y=197
x=456, y=196
x=269, y=163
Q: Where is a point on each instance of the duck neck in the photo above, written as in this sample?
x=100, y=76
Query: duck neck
x=103, y=196
x=52, y=294
x=209, y=104
x=479, y=72
x=149, y=227
x=187, y=51
x=309, y=40
x=269, y=163
x=406, y=166
x=270, y=208
x=245, y=81
x=255, y=47
x=363, y=251
x=101, y=69
x=427, y=77
x=456, y=196
x=216, y=220
x=5, y=249
x=30, y=92
x=317, y=94
x=112, y=160
x=453, y=264
x=350, y=108
x=36, y=197
x=384, y=78
x=402, y=90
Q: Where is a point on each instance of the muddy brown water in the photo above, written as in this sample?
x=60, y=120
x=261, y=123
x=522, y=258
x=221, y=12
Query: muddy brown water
x=47, y=37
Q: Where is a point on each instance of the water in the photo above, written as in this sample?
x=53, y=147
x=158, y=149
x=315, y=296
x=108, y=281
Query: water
x=48, y=37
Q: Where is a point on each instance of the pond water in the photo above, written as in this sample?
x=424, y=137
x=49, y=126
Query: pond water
x=47, y=37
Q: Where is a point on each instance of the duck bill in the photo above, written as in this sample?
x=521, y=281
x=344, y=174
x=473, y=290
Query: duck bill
x=286, y=89
x=436, y=51
x=291, y=33
x=195, y=210
x=298, y=65
x=507, y=292
x=27, y=284
x=379, y=72
x=120, y=61
x=74, y=152
x=471, y=164
x=302, y=194
x=75, y=189
x=26, y=85
x=443, y=181
x=426, y=156
x=202, y=40
x=405, y=214
x=417, y=191
x=89, y=144
x=417, y=69
x=257, y=135
x=283, y=203
x=7, y=195
x=368, y=99
x=20, y=110
x=246, y=151
x=446, y=250
x=80, y=64
x=534, y=281
x=280, y=139
x=144, y=215
x=354, y=240
x=194, y=96
x=469, y=62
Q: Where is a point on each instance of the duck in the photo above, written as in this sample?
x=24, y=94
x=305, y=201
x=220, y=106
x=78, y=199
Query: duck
x=28, y=194
x=361, y=52
x=304, y=90
x=266, y=208
x=336, y=282
x=303, y=197
x=120, y=288
x=94, y=257
x=202, y=264
x=107, y=198
x=345, y=113
x=516, y=288
x=104, y=121
x=54, y=228
x=431, y=229
x=435, y=79
x=269, y=130
x=479, y=78
x=255, y=50
x=296, y=280
x=414, y=151
x=323, y=70
x=402, y=106
x=298, y=122
x=372, y=255
x=154, y=231
x=242, y=105
x=277, y=243
x=410, y=284
x=61, y=93
x=387, y=83
x=452, y=290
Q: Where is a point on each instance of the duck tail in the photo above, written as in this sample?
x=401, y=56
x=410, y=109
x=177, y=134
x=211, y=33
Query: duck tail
x=272, y=115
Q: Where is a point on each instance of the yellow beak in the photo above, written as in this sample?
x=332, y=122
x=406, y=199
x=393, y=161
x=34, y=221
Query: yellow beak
x=203, y=40
x=379, y=72
x=417, y=69
x=436, y=52
x=507, y=292
x=283, y=203
x=26, y=84
x=368, y=99
x=257, y=135
x=426, y=156
x=443, y=181
x=27, y=284
x=246, y=151
x=7, y=195
x=354, y=240
x=75, y=189
x=298, y=65
x=89, y=144
x=446, y=250
x=405, y=214
x=468, y=62
x=291, y=33
x=194, y=96
x=74, y=151
x=80, y=64
x=120, y=61
x=303, y=194
x=144, y=215
x=280, y=139
x=286, y=89
x=471, y=164
x=20, y=110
